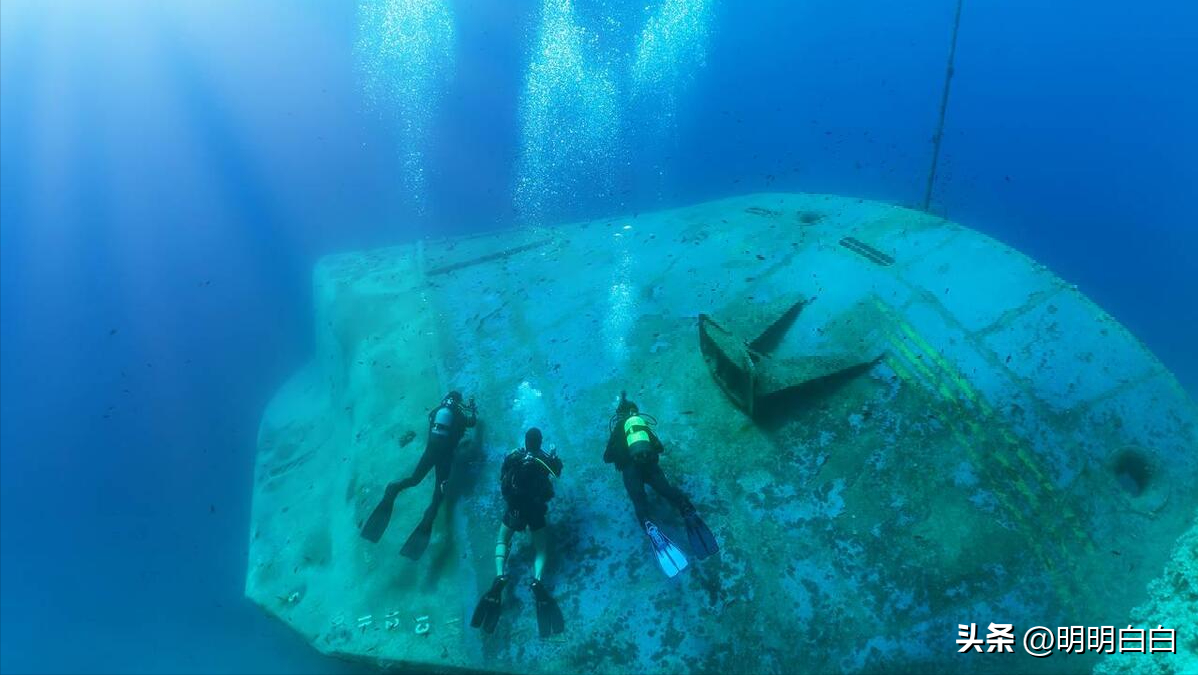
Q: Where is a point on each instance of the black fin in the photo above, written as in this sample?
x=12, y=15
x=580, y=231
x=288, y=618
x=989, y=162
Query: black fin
x=549, y=615
x=702, y=541
x=486, y=613
x=414, y=547
x=380, y=518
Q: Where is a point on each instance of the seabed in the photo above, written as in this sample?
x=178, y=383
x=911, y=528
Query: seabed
x=943, y=433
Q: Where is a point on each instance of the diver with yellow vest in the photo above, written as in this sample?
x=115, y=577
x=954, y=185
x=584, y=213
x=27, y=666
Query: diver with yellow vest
x=634, y=449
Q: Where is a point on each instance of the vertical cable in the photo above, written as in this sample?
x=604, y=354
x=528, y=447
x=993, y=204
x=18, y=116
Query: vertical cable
x=948, y=80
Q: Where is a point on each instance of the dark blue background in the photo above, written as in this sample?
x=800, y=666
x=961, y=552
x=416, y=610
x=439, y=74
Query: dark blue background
x=169, y=172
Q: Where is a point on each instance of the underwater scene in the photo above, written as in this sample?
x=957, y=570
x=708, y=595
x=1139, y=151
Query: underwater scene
x=598, y=336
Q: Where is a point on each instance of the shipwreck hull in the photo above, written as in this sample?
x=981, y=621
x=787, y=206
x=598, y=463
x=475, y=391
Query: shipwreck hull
x=1012, y=455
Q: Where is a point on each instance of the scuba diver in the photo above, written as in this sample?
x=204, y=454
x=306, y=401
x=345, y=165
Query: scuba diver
x=633, y=448
x=526, y=482
x=447, y=423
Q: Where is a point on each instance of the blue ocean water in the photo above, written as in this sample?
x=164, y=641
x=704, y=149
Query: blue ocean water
x=169, y=173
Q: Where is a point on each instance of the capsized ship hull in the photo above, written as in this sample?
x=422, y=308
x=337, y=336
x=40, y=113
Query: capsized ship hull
x=954, y=435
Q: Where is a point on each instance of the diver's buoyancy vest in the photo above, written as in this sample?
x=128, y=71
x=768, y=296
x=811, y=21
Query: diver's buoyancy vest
x=636, y=430
x=529, y=474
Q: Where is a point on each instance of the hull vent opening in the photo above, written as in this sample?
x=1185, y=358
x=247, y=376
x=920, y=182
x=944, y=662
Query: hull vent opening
x=866, y=251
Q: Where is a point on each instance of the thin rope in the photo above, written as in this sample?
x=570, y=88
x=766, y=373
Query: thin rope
x=948, y=79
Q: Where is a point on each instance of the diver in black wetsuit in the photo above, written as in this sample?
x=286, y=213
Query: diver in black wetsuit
x=634, y=449
x=447, y=423
x=526, y=482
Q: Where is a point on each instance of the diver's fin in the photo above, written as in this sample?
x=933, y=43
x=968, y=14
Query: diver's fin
x=549, y=615
x=703, y=543
x=668, y=555
x=414, y=547
x=377, y=523
x=486, y=614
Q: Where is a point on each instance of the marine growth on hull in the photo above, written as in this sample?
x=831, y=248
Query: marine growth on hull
x=891, y=424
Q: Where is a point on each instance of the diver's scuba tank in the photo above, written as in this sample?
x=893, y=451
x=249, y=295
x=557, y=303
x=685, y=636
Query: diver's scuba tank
x=442, y=420
x=638, y=440
x=635, y=428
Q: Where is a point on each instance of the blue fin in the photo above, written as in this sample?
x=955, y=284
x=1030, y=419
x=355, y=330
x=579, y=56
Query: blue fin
x=669, y=556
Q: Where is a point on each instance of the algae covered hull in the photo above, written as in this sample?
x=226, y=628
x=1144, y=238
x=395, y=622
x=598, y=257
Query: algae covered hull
x=945, y=434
